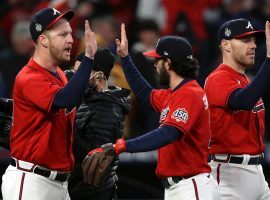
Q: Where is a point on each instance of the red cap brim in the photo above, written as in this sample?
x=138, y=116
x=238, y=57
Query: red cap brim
x=249, y=33
x=67, y=15
x=152, y=53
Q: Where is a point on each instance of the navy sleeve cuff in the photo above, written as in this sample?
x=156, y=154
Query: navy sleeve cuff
x=126, y=59
x=87, y=61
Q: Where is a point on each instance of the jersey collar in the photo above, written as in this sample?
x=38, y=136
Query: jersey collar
x=186, y=80
x=33, y=64
x=231, y=70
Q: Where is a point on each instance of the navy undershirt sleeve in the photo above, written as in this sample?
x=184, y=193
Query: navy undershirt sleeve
x=71, y=95
x=246, y=98
x=153, y=140
x=141, y=88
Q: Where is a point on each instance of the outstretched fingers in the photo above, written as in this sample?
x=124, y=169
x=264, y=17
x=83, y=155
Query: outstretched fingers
x=117, y=42
x=267, y=30
x=87, y=27
x=123, y=33
x=90, y=41
x=122, y=44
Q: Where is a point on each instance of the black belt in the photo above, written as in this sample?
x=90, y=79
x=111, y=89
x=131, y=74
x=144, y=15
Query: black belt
x=255, y=160
x=60, y=176
x=175, y=179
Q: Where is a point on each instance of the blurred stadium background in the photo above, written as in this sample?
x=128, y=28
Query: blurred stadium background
x=146, y=20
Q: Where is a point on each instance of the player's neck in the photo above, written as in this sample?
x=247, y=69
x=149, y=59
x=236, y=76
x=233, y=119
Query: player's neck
x=45, y=61
x=234, y=65
x=175, y=80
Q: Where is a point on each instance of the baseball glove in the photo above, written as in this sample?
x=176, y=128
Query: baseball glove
x=97, y=166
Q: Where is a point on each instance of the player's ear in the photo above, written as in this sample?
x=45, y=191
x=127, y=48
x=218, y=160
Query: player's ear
x=225, y=44
x=44, y=40
x=168, y=64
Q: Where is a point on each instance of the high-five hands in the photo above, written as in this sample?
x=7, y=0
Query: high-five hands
x=90, y=41
x=122, y=46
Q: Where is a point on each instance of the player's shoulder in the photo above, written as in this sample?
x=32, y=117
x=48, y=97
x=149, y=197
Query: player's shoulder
x=26, y=74
x=191, y=90
x=221, y=73
x=161, y=92
x=191, y=87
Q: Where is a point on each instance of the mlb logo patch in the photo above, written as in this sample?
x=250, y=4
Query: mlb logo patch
x=180, y=115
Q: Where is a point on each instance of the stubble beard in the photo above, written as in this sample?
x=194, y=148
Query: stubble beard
x=58, y=56
x=245, y=62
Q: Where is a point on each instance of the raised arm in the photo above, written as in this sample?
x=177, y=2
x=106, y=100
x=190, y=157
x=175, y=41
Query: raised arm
x=246, y=98
x=72, y=94
x=138, y=84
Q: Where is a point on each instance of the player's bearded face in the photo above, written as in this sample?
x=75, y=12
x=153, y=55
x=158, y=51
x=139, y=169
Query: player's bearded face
x=59, y=54
x=60, y=42
x=244, y=51
x=164, y=77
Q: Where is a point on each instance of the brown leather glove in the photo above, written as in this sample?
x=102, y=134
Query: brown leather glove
x=96, y=166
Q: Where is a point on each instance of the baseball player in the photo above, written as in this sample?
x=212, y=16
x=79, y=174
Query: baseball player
x=42, y=129
x=183, y=136
x=237, y=113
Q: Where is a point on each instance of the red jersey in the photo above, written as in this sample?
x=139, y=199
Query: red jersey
x=185, y=108
x=39, y=135
x=233, y=132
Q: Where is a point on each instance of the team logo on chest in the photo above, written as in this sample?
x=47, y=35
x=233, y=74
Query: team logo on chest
x=180, y=115
x=163, y=114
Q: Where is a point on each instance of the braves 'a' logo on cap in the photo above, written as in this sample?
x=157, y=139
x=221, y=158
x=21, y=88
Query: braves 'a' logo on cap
x=55, y=11
x=180, y=115
x=249, y=25
x=38, y=27
x=227, y=32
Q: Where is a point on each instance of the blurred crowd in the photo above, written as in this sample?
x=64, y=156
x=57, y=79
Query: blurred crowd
x=146, y=20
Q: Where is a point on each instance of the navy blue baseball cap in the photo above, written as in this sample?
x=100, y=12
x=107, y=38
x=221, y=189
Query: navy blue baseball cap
x=175, y=48
x=237, y=28
x=103, y=60
x=46, y=18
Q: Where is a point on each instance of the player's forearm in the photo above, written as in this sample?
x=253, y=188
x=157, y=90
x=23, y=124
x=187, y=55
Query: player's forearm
x=72, y=94
x=153, y=140
x=141, y=88
x=246, y=98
